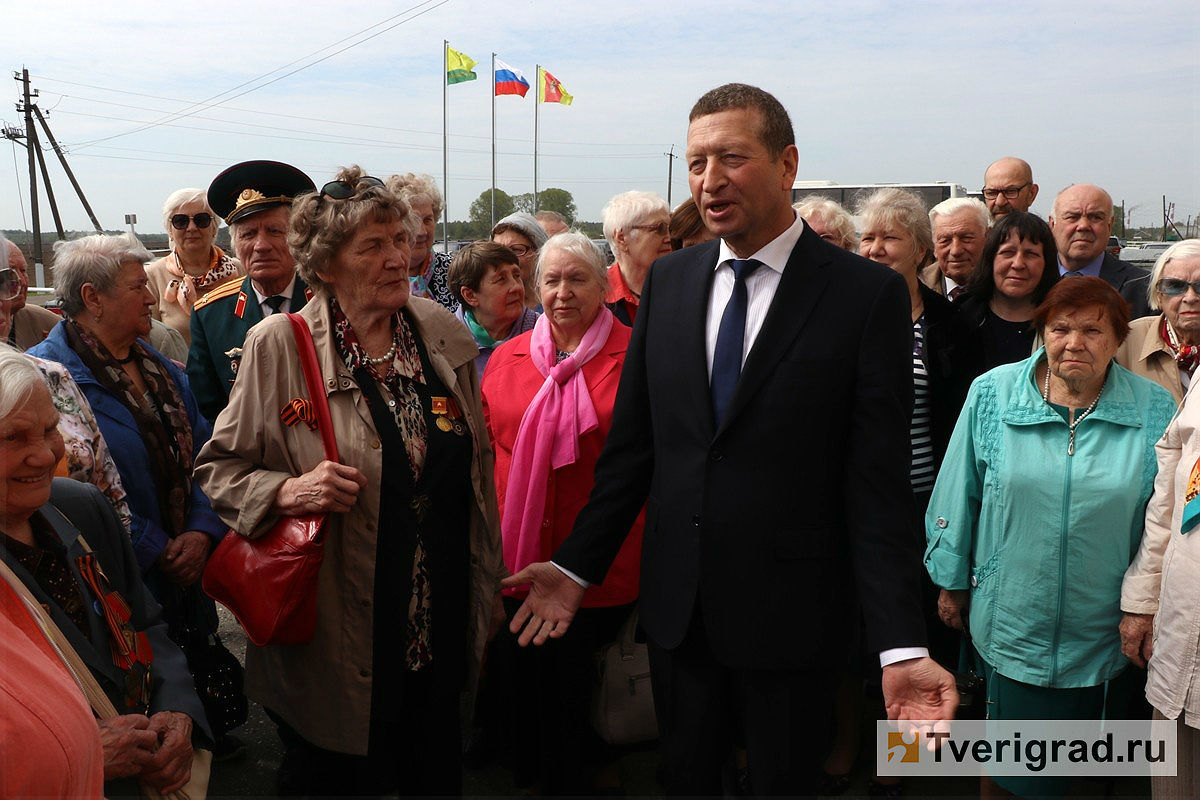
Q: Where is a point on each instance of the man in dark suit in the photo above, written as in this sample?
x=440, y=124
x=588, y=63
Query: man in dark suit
x=1082, y=220
x=763, y=422
x=254, y=198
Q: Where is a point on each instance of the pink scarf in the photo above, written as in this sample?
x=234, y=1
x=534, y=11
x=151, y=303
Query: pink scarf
x=548, y=438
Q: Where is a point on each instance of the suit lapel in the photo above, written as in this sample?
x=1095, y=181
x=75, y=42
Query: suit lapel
x=692, y=317
x=800, y=287
x=252, y=313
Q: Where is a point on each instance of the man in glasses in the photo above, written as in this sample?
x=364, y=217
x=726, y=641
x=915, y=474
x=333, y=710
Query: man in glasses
x=30, y=323
x=254, y=198
x=1008, y=186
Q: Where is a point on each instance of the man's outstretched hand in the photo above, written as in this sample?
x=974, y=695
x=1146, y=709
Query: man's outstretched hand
x=919, y=689
x=551, y=605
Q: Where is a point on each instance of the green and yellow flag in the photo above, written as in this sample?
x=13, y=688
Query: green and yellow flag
x=458, y=67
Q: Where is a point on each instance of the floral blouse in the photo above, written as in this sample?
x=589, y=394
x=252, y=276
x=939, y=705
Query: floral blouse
x=87, y=458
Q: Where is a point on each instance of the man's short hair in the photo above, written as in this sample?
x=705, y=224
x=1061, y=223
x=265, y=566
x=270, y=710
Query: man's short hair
x=776, y=131
x=950, y=207
x=550, y=216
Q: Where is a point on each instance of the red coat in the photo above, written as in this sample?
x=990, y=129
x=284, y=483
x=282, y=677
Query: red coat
x=509, y=385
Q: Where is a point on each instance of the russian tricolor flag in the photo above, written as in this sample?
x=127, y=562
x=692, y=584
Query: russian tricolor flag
x=509, y=80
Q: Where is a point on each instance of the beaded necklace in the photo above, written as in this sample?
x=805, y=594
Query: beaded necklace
x=1074, y=423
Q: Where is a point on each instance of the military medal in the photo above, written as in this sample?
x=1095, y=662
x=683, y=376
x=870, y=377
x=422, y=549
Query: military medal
x=447, y=414
x=444, y=424
x=240, y=308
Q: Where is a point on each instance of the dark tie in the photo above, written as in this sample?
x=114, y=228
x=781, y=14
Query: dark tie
x=955, y=292
x=731, y=339
x=275, y=302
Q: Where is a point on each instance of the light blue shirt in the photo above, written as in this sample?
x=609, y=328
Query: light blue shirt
x=1092, y=269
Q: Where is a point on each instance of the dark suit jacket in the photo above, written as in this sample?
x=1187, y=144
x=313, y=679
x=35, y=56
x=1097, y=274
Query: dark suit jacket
x=216, y=330
x=1137, y=293
x=76, y=507
x=1118, y=272
x=759, y=525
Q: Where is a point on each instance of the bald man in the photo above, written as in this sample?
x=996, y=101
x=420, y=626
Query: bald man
x=1082, y=219
x=1008, y=186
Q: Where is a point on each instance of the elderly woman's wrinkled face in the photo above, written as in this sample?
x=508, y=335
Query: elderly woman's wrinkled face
x=425, y=238
x=1018, y=267
x=891, y=246
x=193, y=240
x=519, y=244
x=124, y=310
x=571, y=294
x=1183, y=310
x=644, y=241
x=369, y=273
x=500, y=298
x=1080, y=343
x=30, y=448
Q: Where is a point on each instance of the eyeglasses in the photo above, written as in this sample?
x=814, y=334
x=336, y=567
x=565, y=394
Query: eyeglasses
x=521, y=250
x=344, y=190
x=1010, y=192
x=180, y=221
x=1174, y=287
x=661, y=229
x=10, y=284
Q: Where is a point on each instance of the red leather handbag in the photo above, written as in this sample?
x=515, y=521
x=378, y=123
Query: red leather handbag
x=270, y=582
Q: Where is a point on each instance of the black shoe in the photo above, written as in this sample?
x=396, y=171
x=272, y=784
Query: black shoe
x=876, y=789
x=227, y=747
x=833, y=785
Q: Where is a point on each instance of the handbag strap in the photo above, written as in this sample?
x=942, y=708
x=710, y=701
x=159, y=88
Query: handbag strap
x=312, y=379
x=101, y=705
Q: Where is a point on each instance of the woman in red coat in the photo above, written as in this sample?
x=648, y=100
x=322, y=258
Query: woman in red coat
x=548, y=397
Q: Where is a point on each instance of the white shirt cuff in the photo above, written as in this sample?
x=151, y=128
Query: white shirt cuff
x=893, y=656
x=571, y=575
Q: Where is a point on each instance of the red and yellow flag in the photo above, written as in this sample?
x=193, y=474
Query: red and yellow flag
x=550, y=90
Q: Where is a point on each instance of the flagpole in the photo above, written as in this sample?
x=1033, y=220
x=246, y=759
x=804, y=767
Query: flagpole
x=537, y=101
x=493, y=142
x=445, y=148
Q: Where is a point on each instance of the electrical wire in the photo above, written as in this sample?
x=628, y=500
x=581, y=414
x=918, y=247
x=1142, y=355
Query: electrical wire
x=200, y=106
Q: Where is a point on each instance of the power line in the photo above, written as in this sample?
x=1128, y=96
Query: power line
x=185, y=111
x=240, y=110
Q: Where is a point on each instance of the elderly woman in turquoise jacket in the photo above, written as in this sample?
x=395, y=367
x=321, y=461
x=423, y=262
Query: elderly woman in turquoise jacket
x=1038, y=511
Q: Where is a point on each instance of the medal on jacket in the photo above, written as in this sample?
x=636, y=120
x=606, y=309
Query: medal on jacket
x=131, y=651
x=240, y=308
x=235, y=360
x=449, y=417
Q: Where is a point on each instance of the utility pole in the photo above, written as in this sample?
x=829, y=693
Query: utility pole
x=1123, y=236
x=1163, y=238
x=37, y=160
x=670, y=167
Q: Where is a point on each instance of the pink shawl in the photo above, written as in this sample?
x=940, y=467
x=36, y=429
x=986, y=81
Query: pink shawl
x=548, y=437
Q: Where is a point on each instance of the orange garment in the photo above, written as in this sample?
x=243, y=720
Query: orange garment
x=619, y=293
x=49, y=741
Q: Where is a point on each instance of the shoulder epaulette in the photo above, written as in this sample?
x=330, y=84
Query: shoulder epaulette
x=224, y=289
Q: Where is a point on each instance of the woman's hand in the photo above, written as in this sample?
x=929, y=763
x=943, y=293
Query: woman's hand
x=129, y=745
x=171, y=767
x=1137, y=637
x=183, y=560
x=329, y=487
x=951, y=603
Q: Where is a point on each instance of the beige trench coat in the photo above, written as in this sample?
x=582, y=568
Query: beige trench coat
x=1164, y=578
x=158, y=276
x=323, y=688
x=1143, y=353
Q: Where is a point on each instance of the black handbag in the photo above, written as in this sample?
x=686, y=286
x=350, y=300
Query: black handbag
x=217, y=673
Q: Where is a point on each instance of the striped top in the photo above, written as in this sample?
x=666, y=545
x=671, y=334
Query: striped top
x=922, y=472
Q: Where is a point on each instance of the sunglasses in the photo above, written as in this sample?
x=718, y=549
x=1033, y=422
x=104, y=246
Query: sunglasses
x=180, y=221
x=10, y=284
x=661, y=229
x=344, y=190
x=1174, y=287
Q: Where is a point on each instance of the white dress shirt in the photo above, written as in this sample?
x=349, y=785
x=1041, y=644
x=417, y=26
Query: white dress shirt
x=287, y=293
x=760, y=290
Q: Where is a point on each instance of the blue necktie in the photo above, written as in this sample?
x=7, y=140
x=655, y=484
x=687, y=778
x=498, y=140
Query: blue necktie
x=731, y=338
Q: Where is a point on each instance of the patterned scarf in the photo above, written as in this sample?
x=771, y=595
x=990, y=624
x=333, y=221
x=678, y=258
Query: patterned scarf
x=164, y=426
x=185, y=290
x=1187, y=355
x=399, y=379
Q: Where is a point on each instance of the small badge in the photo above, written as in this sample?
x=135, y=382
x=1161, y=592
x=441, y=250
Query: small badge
x=439, y=405
x=444, y=425
x=235, y=359
x=240, y=308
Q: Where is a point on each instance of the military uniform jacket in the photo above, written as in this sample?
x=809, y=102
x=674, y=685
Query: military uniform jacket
x=220, y=321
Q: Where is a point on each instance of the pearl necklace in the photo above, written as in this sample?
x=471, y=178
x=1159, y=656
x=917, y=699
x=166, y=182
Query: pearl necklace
x=387, y=357
x=1071, y=426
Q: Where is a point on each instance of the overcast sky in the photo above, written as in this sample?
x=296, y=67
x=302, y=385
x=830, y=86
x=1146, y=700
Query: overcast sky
x=878, y=92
